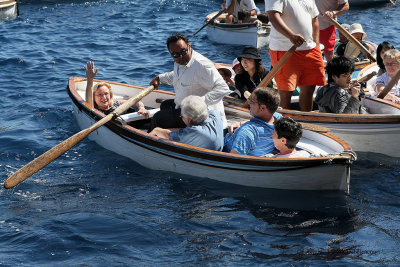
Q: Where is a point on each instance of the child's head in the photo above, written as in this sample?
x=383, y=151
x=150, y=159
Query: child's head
x=340, y=68
x=287, y=133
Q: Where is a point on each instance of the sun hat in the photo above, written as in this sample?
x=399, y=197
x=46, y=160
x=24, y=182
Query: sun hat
x=235, y=63
x=223, y=68
x=346, y=26
x=250, y=52
x=357, y=28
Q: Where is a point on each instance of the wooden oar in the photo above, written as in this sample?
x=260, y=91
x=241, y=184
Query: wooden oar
x=211, y=20
x=314, y=127
x=367, y=77
x=267, y=79
x=41, y=161
x=352, y=39
x=389, y=86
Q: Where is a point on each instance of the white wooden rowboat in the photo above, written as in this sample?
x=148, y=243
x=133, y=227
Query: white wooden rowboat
x=8, y=9
x=253, y=34
x=328, y=169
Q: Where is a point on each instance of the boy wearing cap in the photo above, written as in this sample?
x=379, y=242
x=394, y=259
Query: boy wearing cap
x=350, y=50
x=296, y=23
x=327, y=32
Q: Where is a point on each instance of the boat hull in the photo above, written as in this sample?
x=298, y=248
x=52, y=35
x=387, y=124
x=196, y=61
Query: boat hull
x=8, y=10
x=367, y=3
x=239, y=34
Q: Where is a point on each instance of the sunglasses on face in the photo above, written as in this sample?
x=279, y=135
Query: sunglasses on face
x=180, y=54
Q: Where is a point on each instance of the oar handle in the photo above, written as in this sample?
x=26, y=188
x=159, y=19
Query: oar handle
x=278, y=66
x=352, y=39
x=389, y=86
x=43, y=160
x=367, y=77
x=267, y=79
x=211, y=20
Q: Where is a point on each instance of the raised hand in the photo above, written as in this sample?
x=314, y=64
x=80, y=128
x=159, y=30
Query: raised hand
x=90, y=70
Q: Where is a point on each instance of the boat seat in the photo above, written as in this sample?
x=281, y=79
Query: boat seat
x=134, y=116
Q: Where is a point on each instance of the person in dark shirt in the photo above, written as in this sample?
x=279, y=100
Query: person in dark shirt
x=340, y=95
x=253, y=74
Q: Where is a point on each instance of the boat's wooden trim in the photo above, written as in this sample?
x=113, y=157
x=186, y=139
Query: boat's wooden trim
x=187, y=152
x=384, y=101
x=7, y=4
x=335, y=118
x=365, y=69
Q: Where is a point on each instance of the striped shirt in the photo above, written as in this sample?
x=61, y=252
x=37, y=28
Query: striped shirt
x=254, y=138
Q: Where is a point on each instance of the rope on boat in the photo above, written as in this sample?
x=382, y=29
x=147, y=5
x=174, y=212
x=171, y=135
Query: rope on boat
x=351, y=153
x=344, y=153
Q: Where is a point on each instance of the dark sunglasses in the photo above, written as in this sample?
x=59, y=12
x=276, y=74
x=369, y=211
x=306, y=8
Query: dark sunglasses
x=180, y=54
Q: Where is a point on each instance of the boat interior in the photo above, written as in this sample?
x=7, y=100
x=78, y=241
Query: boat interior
x=315, y=143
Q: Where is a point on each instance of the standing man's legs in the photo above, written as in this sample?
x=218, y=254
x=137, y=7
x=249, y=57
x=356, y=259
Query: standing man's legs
x=306, y=97
x=286, y=97
x=329, y=55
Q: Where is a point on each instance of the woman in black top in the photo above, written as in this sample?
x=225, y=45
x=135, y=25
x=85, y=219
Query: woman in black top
x=254, y=72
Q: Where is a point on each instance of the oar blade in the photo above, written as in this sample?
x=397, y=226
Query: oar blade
x=40, y=162
x=44, y=159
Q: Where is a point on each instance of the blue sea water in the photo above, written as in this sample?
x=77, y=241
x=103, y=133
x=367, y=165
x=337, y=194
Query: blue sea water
x=92, y=207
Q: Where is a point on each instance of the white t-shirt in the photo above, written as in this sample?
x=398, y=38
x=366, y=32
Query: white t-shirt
x=327, y=5
x=295, y=154
x=244, y=4
x=198, y=77
x=384, y=79
x=298, y=15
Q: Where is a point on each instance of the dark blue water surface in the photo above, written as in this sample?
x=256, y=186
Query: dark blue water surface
x=92, y=207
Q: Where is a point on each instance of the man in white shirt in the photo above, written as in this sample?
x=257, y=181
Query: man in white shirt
x=193, y=74
x=327, y=31
x=295, y=22
x=233, y=7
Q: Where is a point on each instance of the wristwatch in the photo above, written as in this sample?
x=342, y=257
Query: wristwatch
x=334, y=12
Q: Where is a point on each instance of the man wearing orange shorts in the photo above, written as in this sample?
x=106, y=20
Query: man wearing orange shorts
x=296, y=23
x=327, y=32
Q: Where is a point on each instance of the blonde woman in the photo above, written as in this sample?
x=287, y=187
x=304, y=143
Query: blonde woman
x=101, y=95
x=391, y=60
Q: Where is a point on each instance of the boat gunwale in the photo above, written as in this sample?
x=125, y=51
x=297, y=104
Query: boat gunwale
x=8, y=4
x=128, y=132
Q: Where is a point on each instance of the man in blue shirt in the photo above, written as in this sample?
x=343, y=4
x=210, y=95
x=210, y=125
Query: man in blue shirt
x=204, y=127
x=254, y=137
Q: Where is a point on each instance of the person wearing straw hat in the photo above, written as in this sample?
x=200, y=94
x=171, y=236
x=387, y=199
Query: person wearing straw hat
x=350, y=50
x=327, y=32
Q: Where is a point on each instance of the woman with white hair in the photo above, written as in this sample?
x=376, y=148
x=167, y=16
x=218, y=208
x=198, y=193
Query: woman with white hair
x=391, y=60
x=204, y=127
